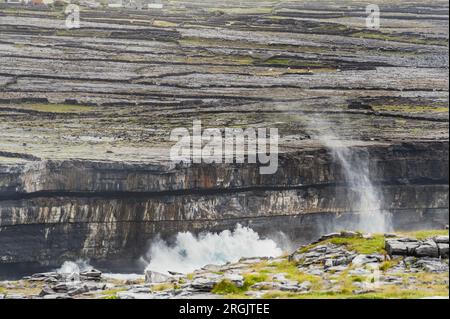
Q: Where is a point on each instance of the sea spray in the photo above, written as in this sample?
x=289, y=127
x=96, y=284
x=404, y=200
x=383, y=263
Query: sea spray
x=190, y=252
x=366, y=199
x=74, y=267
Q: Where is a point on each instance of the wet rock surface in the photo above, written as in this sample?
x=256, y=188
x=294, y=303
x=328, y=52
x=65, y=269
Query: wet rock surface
x=338, y=267
x=86, y=116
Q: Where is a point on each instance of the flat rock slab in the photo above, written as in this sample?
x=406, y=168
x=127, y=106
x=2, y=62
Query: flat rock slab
x=436, y=247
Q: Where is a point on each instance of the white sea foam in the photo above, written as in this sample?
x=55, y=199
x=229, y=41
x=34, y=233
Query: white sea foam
x=190, y=252
x=71, y=267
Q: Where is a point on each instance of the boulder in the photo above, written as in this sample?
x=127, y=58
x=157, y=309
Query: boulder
x=14, y=296
x=363, y=291
x=362, y=260
x=350, y=234
x=443, y=250
x=93, y=286
x=205, y=284
x=266, y=285
x=57, y=296
x=78, y=290
x=305, y=286
x=441, y=239
x=343, y=234
x=427, y=249
x=93, y=274
x=434, y=248
x=333, y=262
x=289, y=287
x=329, y=236
x=46, y=290
x=139, y=290
x=237, y=280
x=336, y=269
x=131, y=295
x=212, y=268
x=434, y=265
x=401, y=246
x=46, y=276
x=153, y=277
x=60, y=288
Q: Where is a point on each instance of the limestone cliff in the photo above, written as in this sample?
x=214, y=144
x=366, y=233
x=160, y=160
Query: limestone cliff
x=86, y=116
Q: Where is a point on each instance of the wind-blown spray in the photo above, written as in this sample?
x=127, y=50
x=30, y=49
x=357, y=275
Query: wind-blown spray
x=367, y=199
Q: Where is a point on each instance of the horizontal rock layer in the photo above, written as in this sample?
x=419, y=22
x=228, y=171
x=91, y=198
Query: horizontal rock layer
x=53, y=216
x=86, y=116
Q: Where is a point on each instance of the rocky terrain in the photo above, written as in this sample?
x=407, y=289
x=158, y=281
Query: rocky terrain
x=86, y=116
x=339, y=265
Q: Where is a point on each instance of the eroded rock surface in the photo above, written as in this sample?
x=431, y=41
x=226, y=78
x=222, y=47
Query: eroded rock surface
x=86, y=116
x=341, y=266
x=434, y=247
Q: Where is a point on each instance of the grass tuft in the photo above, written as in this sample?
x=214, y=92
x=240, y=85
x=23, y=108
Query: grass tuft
x=226, y=287
x=425, y=234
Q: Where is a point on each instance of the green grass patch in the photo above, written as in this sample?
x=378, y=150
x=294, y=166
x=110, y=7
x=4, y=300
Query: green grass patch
x=425, y=234
x=82, y=33
x=288, y=62
x=358, y=244
x=403, y=294
x=251, y=279
x=362, y=245
x=112, y=292
x=291, y=272
x=400, y=38
x=226, y=287
x=388, y=294
x=190, y=276
x=388, y=264
x=410, y=108
x=357, y=278
x=163, y=287
x=57, y=108
x=329, y=295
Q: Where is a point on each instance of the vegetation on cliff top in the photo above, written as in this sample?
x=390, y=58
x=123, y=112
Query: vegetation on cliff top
x=425, y=284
